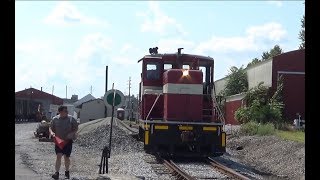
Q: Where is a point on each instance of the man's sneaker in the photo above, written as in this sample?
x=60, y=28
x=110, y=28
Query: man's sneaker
x=67, y=175
x=55, y=176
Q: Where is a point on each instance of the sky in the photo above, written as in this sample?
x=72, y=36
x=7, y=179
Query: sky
x=61, y=44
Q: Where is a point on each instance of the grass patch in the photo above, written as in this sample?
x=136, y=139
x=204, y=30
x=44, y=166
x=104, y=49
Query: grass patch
x=253, y=128
x=266, y=129
x=249, y=128
x=298, y=136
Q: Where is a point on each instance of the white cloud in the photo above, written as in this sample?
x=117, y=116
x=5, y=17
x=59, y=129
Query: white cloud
x=225, y=44
x=273, y=31
x=79, y=70
x=91, y=44
x=277, y=3
x=46, y=66
x=65, y=13
x=172, y=45
x=128, y=56
x=255, y=38
x=157, y=21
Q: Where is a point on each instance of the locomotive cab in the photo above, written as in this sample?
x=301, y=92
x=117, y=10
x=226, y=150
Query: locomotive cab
x=179, y=114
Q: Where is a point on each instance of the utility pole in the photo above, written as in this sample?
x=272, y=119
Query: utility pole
x=91, y=90
x=66, y=92
x=105, y=108
x=129, y=100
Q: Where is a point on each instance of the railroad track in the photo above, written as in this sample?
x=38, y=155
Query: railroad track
x=132, y=130
x=220, y=171
x=177, y=171
x=225, y=170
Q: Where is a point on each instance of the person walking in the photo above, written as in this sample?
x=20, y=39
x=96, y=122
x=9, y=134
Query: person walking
x=63, y=126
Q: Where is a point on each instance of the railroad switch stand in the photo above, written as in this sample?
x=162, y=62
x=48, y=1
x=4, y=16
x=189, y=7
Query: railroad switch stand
x=104, y=160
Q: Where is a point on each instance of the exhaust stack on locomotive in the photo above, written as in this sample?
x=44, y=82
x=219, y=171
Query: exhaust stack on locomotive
x=178, y=110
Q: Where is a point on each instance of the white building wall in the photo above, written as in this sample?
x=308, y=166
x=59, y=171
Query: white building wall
x=220, y=85
x=92, y=110
x=262, y=72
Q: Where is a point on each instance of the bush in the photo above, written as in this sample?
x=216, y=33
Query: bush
x=266, y=129
x=284, y=126
x=252, y=128
x=260, y=108
x=242, y=115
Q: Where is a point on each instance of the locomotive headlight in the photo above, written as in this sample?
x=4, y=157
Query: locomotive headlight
x=185, y=73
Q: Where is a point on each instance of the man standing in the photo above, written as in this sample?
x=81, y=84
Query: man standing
x=65, y=127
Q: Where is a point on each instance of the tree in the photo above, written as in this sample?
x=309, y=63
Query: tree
x=301, y=34
x=276, y=50
x=254, y=61
x=265, y=55
x=237, y=81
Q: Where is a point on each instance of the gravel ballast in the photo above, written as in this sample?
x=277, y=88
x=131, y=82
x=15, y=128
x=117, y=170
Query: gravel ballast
x=269, y=154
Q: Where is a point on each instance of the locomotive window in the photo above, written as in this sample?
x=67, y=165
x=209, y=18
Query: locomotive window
x=153, y=72
x=185, y=66
x=203, y=69
x=151, y=67
x=167, y=66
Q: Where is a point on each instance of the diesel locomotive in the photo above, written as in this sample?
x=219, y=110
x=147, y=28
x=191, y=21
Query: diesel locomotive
x=178, y=111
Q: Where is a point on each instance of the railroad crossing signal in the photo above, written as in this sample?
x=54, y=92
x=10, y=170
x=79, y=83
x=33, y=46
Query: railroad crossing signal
x=108, y=98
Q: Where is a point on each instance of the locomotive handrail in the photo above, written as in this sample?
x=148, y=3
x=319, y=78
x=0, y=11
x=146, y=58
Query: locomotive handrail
x=152, y=107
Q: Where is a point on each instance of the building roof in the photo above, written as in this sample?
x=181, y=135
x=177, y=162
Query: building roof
x=84, y=99
x=32, y=93
x=98, y=99
x=68, y=101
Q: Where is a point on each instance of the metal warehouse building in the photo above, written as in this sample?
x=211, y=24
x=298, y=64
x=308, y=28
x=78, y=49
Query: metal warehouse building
x=27, y=102
x=91, y=110
x=291, y=65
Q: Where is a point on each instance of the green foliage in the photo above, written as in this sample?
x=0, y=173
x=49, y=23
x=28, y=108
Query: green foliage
x=242, y=115
x=284, y=126
x=237, y=81
x=276, y=50
x=266, y=129
x=254, y=61
x=252, y=128
x=265, y=55
x=260, y=108
x=298, y=136
x=302, y=34
x=259, y=93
